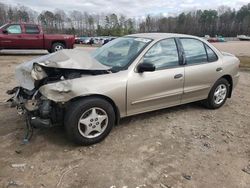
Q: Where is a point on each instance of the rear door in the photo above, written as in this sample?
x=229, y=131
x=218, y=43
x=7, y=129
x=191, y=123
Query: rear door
x=202, y=69
x=13, y=38
x=162, y=88
x=32, y=37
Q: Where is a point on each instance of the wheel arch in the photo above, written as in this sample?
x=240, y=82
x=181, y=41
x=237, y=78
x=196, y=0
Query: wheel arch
x=108, y=99
x=58, y=41
x=230, y=81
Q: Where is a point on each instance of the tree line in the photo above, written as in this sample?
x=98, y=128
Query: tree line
x=224, y=21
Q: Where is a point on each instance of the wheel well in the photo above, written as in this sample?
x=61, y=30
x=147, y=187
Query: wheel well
x=117, y=112
x=58, y=41
x=230, y=81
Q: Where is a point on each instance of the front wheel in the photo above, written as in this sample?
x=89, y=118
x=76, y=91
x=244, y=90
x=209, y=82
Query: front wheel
x=218, y=94
x=89, y=121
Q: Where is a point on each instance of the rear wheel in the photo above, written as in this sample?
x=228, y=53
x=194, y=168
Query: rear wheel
x=89, y=120
x=56, y=47
x=218, y=94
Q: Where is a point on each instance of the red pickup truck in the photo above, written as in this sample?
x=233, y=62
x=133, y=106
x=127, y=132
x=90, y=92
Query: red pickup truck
x=31, y=36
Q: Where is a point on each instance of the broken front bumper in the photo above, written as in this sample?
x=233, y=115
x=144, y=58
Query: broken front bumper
x=39, y=111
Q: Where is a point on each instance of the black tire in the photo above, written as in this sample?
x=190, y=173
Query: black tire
x=210, y=101
x=56, y=47
x=75, y=112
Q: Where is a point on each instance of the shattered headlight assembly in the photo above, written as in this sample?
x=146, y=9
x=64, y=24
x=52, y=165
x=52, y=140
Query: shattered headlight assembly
x=37, y=72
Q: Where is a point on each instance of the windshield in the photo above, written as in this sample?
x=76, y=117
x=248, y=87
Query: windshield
x=120, y=52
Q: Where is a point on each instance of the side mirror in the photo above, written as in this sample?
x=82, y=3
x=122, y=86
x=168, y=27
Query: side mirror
x=5, y=31
x=145, y=67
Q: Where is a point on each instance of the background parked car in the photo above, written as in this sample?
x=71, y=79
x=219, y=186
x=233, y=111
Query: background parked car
x=215, y=39
x=77, y=40
x=31, y=36
x=82, y=40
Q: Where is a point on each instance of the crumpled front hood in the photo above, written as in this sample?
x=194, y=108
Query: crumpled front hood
x=65, y=59
x=71, y=59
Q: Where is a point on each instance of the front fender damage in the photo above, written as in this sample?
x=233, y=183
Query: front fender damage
x=48, y=83
x=59, y=91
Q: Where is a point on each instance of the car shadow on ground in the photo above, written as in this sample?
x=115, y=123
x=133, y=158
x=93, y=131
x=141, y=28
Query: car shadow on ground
x=161, y=112
x=57, y=135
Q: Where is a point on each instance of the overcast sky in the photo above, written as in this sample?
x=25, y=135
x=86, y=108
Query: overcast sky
x=130, y=8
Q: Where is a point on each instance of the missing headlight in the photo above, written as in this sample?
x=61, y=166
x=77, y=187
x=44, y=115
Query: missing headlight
x=37, y=72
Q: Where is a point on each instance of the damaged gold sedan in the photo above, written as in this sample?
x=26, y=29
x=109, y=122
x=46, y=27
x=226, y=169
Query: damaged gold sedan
x=89, y=92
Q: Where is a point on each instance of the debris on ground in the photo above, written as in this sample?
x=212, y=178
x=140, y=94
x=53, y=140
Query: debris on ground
x=13, y=183
x=18, y=165
x=159, y=143
x=207, y=145
x=246, y=169
x=139, y=186
x=64, y=173
x=164, y=186
x=187, y=177
x=18, y=151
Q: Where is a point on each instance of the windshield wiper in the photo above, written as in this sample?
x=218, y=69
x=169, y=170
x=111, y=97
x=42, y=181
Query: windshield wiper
x=115, y=69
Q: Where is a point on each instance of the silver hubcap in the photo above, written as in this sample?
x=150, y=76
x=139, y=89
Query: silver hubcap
x=58, y=47
x=93, y=122
x=220, y=94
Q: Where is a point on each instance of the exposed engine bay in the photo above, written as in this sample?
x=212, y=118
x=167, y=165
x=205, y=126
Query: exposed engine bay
x=61, y=66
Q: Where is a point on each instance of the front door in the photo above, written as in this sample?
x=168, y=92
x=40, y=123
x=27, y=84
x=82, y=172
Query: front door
x=13, y=38
x=161, y=88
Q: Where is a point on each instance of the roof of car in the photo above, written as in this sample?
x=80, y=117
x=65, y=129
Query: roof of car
x=157, y=36
x=20, y=23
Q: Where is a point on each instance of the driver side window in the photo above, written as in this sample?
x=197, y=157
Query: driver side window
x=14, y=29
x=163, y=54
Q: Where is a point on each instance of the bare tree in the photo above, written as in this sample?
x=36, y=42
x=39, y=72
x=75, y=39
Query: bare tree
x=223, y=21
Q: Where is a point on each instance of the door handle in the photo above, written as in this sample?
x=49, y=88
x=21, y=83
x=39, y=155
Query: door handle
x=177, y=76
x=219, y=69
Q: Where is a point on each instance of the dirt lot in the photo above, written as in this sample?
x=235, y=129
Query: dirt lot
x=239, y=48
x=186, y=146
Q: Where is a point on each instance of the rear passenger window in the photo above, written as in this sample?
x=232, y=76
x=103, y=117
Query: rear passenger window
x=194, y=51
x=31, y=29
x=211, y=56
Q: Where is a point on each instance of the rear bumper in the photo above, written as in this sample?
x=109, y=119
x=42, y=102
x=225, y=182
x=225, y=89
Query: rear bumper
x=70, y=44
x=236, y=80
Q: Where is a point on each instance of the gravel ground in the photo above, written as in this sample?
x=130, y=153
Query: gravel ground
x=185, y=146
